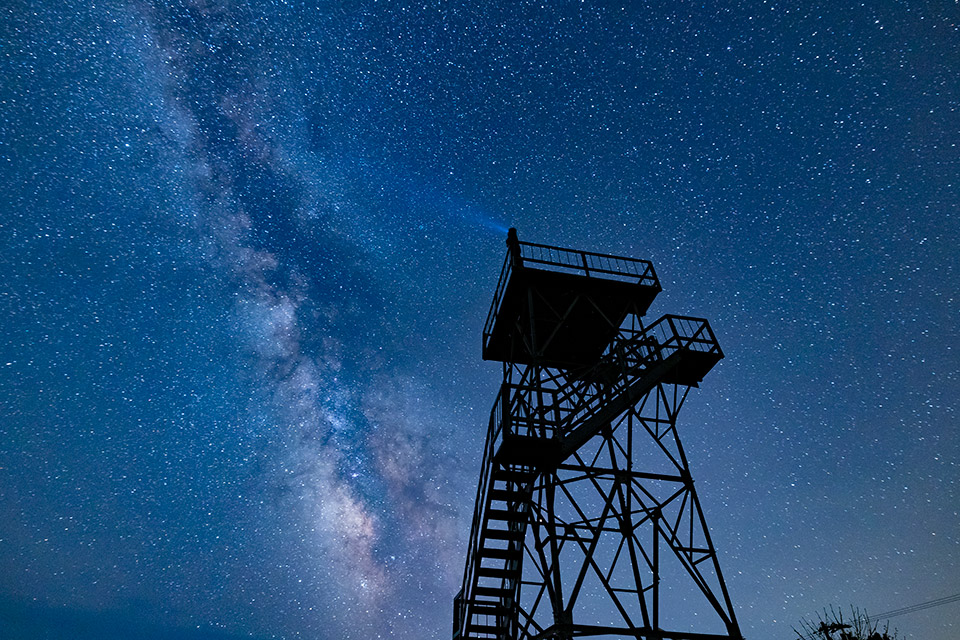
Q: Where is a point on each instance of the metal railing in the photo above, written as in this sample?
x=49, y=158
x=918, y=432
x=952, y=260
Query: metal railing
x=683, y=332
x=497, y=297
x=528, y=412
x=632, y=357
x=494, y=430
x=583, y=263
x=514, y=413
x=592, y=265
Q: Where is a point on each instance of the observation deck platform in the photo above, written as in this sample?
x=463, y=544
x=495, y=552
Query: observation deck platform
x=538, y=426
x=562, y=307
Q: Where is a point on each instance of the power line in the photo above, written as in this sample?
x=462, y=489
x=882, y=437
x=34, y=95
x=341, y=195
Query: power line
x=918, y=607
x=929, y=604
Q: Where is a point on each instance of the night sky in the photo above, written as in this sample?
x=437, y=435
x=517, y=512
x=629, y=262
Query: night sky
x=247, y=250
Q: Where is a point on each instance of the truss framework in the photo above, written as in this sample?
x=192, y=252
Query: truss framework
x=587, y=521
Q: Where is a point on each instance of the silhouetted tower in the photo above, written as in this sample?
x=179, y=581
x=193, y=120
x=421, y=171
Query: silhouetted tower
x=587, y=522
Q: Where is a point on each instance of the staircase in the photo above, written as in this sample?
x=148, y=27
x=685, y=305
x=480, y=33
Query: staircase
x=491, y=610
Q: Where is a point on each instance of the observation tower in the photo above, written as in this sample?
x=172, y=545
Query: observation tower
x=586, y=521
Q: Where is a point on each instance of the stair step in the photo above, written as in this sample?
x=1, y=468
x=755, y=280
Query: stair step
x=486, y=609
x=500, y=534
x=485, y=628
x=491, y=592
x=494, y=572
x=503, y=554
x=506, y=514
x=505, y=495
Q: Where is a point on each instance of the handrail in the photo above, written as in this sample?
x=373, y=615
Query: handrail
x=489, y=448
x=628, y=356
x=589, y=263
x=602, y=266
x=497, y=295
x=459, y=614
x=528, y=418
x=638, y=353
x=685, y=332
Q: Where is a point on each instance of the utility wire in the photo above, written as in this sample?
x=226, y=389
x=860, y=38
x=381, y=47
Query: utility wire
x=929, y=604
x=918, y=607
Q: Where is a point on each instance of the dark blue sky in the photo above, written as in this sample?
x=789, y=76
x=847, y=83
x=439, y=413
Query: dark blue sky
x=247, y=250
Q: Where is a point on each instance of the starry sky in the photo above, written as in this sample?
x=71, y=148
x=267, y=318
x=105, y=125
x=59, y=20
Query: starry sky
x=248, y=248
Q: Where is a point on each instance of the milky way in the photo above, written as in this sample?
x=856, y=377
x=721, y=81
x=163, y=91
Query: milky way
x=248, y=250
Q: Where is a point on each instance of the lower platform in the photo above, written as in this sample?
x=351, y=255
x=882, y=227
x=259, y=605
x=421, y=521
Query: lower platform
x=528, y=450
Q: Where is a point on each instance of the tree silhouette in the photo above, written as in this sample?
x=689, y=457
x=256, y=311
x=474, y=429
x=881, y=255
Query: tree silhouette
x=832, y=626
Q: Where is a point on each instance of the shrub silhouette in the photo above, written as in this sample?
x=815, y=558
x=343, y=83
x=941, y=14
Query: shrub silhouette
x=831, y=625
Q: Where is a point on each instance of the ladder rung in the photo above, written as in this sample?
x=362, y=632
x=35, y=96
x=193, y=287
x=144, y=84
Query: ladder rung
x=494, y=572
x=484, y=628
x=491, y=592
x=487, y=609
x=505, y=495
x=506, y=514
x=504, y=554
x=500, y=534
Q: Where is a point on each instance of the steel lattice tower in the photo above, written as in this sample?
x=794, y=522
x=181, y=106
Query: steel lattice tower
x=587, y=522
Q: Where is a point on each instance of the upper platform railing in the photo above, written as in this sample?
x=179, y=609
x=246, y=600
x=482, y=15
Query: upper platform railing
x=603, y=266
x=584, y=263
